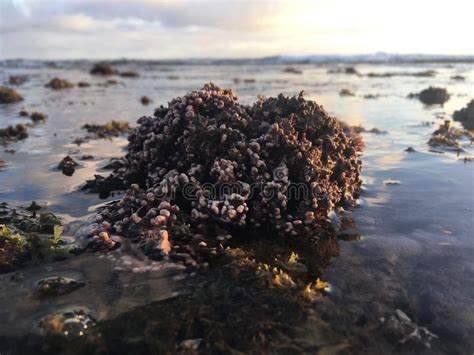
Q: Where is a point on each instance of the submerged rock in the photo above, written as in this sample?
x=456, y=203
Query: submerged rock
x=69, y=323
x=57, y=286
x=103, y=69
x=466, y=116
x=206, y=168
x=432, y=96
x=9, y=95
x=59, y=84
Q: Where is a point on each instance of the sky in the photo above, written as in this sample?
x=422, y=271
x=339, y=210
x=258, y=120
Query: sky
x=107, y=29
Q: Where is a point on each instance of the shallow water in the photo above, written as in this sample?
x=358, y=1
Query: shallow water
x=415, y=255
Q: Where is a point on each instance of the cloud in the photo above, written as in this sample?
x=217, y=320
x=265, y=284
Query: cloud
x=230, y=28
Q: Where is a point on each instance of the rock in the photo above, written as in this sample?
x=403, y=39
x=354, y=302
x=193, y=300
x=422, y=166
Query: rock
x=292, y=70
x=83, y=84
x=57, y=286
x=145, y=100
x=59, y=84
x=110, y=129
x=104, y=185
x=69, y=323
x=114, y=164
x=9, y=95
x=466, y=116
x=103, y=69
x=432, y=96
x=446, y=136
x=37, y=117
x=346, y=92
x=68, y=166
x=129, y=74
x=13, y=134
x=17, y=79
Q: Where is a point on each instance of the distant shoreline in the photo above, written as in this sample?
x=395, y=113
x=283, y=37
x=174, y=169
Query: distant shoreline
x=379, y=58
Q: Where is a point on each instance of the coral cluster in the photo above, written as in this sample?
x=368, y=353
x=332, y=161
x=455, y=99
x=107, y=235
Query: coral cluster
x=466, y=116
x=207, y=168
